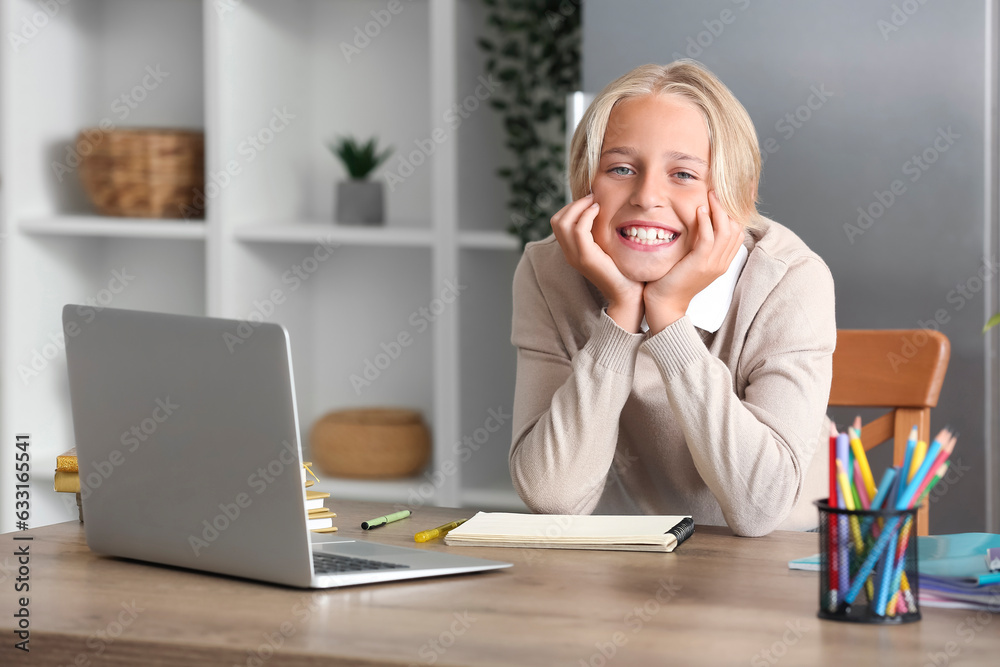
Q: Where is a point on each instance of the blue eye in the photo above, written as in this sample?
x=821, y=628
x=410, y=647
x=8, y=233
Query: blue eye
x=616, y=172
x=686, y=176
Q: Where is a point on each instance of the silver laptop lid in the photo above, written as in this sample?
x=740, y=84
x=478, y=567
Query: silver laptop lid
x=189, y=451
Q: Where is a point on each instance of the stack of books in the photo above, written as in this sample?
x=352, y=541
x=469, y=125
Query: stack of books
x=320, y=518
x=67, y=478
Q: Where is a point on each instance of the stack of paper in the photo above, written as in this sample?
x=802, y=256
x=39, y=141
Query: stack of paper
x=955, y=571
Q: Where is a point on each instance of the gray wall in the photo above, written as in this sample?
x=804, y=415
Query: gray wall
x=896, y=83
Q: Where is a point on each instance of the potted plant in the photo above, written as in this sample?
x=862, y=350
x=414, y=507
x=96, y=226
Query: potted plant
x=359, y=201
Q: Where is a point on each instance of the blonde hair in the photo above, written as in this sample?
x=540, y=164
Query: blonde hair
x=735, y=156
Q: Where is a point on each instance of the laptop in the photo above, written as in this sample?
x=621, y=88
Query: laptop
x=187, y=436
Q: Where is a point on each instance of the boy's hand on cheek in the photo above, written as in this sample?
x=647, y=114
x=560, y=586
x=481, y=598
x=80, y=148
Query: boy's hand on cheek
x=717, y=240
x=573, y=226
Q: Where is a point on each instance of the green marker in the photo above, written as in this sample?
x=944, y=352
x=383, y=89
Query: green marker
x=382, y=520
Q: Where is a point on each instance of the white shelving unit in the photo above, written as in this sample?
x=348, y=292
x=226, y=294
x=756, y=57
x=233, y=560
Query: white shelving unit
x=269, y=83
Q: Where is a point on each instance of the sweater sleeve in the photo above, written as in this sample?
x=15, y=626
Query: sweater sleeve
x=566, y=410
x=754, y=453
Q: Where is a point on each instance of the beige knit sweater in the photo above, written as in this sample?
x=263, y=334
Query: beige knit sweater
x=725, y=426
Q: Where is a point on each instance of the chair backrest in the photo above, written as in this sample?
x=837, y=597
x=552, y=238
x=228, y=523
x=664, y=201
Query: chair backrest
x=900, y=369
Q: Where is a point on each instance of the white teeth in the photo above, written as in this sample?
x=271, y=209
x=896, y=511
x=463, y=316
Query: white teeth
x=648, y=236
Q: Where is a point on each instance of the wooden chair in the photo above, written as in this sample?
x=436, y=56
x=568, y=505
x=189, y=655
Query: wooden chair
x=900, y=369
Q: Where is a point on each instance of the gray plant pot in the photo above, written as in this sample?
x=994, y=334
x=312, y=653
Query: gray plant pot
x=359, y=203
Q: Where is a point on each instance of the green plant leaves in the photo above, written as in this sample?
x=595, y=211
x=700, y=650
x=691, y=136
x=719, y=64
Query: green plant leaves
x=359, y=160
x=533, y=49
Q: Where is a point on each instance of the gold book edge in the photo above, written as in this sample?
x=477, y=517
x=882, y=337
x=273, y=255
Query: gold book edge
x=67, y=482
x=67, y=462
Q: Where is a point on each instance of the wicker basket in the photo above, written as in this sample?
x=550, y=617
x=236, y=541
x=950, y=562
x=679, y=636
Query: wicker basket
x=370, y=443
x=143, y=173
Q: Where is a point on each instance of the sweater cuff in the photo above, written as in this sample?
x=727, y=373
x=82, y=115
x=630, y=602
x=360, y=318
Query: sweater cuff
x=613, y=347
x=676, y=347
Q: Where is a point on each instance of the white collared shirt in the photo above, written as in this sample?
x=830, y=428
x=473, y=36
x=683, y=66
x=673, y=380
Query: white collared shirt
x=709, y=307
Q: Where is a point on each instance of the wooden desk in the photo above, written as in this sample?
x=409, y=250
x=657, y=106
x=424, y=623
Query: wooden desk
x=719, y=600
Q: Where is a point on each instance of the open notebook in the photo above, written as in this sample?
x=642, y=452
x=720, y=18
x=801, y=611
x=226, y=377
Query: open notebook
x=572, y=531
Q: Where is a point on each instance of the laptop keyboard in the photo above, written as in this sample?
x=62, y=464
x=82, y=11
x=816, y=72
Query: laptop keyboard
x=324, y=563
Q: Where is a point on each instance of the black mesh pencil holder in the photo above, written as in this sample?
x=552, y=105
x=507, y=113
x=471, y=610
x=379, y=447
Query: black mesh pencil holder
x=868, y=565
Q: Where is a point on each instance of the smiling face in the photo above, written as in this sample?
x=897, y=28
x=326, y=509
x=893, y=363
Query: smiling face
x=653, y=176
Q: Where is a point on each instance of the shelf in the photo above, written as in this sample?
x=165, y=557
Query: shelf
x=474, y=240
x=95, y=225
x=386, y=491
x=307, y=232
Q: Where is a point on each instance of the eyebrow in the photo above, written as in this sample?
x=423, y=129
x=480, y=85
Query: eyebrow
x=629, y=151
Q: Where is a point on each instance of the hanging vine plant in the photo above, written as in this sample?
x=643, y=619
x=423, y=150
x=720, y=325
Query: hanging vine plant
x=533, y=48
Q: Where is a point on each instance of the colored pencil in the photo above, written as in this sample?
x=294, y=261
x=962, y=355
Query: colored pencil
x=862, y=459
x=918, y=458
x=832, y=501
x=855, y=527
x=860, y=486
x=906, y=500
x=911, y=444
x=889, y=532
x=942, y=457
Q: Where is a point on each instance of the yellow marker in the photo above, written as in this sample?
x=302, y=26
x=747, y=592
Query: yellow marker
x=862, y=459
x=440, y=531
x=919, y=452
